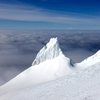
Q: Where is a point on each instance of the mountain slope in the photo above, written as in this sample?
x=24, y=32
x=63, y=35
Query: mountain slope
x=79, y=82
x=84, y=85
x=53, y=65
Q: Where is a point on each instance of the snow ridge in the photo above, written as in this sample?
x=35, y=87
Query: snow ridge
x=50, y=51
x=90, y=61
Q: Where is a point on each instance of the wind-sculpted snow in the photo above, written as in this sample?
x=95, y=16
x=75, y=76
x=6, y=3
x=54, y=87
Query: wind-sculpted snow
x=50, y=51
x=60, y=78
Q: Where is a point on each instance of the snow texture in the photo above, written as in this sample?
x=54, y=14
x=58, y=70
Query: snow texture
x=69, y=82
x=50, y=51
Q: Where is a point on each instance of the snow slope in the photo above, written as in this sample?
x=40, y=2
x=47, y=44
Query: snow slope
x=79, y=82
x=84, y=85
x=53, y=65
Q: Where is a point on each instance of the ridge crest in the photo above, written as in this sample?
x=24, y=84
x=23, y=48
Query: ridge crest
x=49, y=51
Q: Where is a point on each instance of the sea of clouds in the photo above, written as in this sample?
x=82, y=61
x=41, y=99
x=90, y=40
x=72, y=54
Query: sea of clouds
x=19, y=48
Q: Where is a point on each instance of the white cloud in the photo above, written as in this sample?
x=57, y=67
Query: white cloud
x=22, y=13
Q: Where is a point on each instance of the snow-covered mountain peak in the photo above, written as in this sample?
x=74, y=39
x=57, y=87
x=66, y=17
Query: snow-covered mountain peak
x=50, y=64
x=52, y=42
x=49, y=51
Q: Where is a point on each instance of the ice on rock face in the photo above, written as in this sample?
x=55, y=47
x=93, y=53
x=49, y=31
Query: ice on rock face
x=50, y=51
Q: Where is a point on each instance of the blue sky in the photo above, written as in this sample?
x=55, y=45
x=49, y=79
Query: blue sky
x=49, y=14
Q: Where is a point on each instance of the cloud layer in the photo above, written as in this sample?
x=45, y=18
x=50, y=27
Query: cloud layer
x=19, y=48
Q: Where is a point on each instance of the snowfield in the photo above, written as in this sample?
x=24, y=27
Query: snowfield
x=53, y=76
